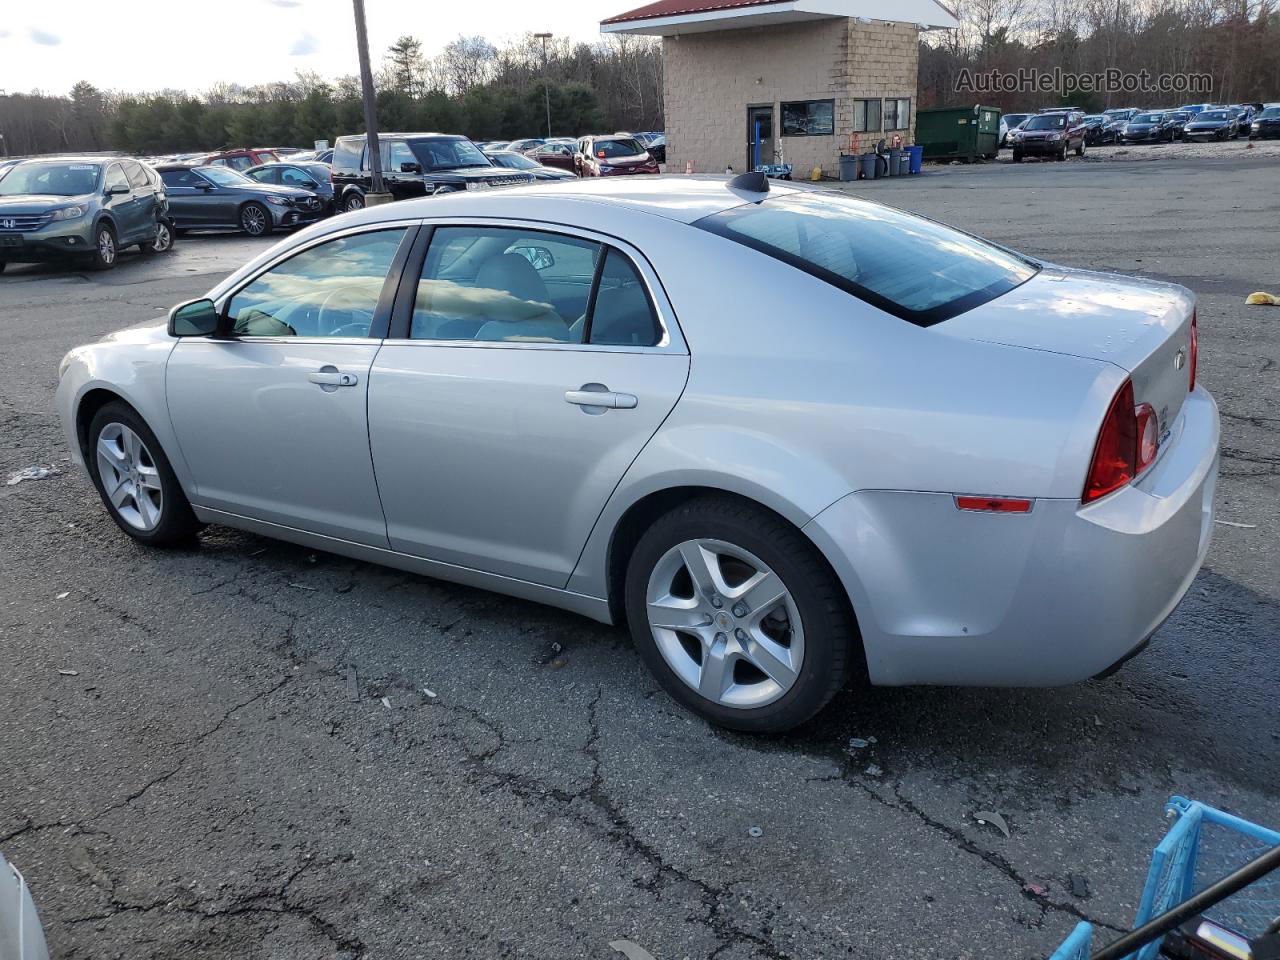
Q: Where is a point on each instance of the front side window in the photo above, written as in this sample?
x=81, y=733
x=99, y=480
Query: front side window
x=808, y=118
x=329, y=290
x=396, y=153
x=224, y=177
x=497, y=283
x=293, y=177
x=116, y=178
x=910, y=267
x=866, y=116
x=264, y=175
x=897, y=114
x=50, y=179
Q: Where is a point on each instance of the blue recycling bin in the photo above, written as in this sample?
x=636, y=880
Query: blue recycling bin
x=917, y=158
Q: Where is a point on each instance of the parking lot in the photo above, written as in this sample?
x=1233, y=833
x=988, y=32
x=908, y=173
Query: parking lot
x=250, y=749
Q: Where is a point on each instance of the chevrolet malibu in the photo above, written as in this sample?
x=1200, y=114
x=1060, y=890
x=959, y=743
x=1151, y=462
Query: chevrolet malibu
x=786, y=436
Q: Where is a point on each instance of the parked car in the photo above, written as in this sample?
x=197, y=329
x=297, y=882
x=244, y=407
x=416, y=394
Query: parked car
x=1007, y=122
x=761, y=509
x=1051, y=134
x=1244, y=116
x=415, y=165
x=555, y=155
x=21, y=933
x=241, y=159
x=1123, y=114
x=325, y=156
x=1266, y=124
x=494, y=145
x=207, y=197
x=1212, y=125
x=1194, y=108
x=305, y=175
x=657, y=147
x=1150, y=128
x=520, y=161
x=1098, y=130
x=612, y=157
x=81, y=207
x=525, y=145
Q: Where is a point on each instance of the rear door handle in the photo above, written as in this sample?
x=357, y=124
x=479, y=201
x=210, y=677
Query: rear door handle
x=597, y=395
x=332, y=378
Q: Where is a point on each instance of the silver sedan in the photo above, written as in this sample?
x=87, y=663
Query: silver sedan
x=786, y=435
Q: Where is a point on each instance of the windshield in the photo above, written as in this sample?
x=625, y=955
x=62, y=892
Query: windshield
x=1270, y=113
x=1116, y=113
x=1213, y=115
x=914, y=268
x=1052, y=121
x=226, y=177
x=448, y=154
x=1013, y=119
x=1146, y=118
x=517, y=161
x=51, y=179
x=618, y=148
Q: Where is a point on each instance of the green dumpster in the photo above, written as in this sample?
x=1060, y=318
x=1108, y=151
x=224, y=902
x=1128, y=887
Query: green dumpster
x=960, y=133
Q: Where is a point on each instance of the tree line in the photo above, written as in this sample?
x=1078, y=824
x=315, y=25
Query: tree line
x=471, y=87
x=1236, y=43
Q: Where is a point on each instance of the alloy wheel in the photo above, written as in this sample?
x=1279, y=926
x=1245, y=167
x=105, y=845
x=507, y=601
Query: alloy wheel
x=354, y=202
x=253, y=221
x=106, y=246
x=164, y=238
x=725, y=623
x=129, y=476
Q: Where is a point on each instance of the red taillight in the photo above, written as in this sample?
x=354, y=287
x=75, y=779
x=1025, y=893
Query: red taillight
x=1194, y=351
x=1148, y=437
x=994, y=504
x=1116, y=453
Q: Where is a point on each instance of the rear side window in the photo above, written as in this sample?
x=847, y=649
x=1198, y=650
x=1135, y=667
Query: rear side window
x=137, y=176
x=346, y=155
x=181, y=178
x=115, y=177
x=910, y=267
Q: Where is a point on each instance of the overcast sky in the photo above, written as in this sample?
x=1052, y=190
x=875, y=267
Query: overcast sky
x=156, y=44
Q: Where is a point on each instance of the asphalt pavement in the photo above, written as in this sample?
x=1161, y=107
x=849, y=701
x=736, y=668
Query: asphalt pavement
x=248, y=749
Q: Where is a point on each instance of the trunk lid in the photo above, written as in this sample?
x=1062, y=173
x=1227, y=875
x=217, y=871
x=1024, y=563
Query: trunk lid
x=1142, y=326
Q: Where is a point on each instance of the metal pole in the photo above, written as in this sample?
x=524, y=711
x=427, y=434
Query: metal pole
x=370, y=100
x=1202, y=901
x=546, y=81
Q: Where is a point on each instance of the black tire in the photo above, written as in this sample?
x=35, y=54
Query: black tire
x=1080, y=149
x=162, y=242
x=106, y=248
x=352, y=201
x=177, y=523
x=1017, y=156
x=830, y=635
x=255, y=220
x=2, y=266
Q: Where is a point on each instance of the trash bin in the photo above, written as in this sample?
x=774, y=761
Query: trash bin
x=868, y=161
x=895, y=159
x=904, y=163
x=848, y=167
x=917, y=158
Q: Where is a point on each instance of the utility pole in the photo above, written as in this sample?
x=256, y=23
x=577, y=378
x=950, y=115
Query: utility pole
x=378, y=194
x=546, y=81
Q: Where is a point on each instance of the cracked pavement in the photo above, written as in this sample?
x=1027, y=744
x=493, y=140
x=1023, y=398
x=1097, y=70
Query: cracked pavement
x=205, y=786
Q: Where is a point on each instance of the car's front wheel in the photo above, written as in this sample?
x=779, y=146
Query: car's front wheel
x=738, y=616
x=135, y=480
x=105, y=249
x=255, y=220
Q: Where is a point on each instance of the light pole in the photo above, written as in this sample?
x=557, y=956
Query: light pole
x=546, y=81
x=378, y=194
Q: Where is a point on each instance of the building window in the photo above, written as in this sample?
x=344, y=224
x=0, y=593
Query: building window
x=866, y=116
x=897, y=114
x=809, y=118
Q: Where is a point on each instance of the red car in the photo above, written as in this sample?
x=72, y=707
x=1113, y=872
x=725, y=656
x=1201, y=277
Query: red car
x=243, y=158
x=554, y=155
x=612, y=157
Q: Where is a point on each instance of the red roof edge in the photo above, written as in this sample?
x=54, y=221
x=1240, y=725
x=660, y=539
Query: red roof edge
x=676, y=8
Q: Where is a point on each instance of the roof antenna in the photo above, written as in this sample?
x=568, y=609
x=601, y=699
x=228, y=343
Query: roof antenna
x=751, y=182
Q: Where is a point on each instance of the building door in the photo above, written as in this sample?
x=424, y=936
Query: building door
x=759, y=136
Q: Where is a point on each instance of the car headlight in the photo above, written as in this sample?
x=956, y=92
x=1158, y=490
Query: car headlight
x=280, y=201
x=605, y=168
x=1257, y=125
x=1055, y=136
x=70, y=213
x=477, y=185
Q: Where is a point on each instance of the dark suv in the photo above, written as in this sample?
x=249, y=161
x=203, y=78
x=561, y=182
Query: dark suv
x=1051, y=134
x=415, y=165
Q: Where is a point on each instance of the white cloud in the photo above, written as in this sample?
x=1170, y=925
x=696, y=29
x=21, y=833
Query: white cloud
x=44, y=38
x=304, y=46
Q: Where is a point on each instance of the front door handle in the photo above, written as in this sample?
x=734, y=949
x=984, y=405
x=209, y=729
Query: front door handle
x=330, y=378
x=598, y=395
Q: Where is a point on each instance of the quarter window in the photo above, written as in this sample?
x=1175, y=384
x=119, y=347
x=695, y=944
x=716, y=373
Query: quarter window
x=866, y=116
x=808, y=118
x=622, y=314
x=136, y=175
x=329, y=290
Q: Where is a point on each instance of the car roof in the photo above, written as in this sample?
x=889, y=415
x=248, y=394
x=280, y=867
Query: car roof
x=384, y=135
x=682, y=199
x=71, y=158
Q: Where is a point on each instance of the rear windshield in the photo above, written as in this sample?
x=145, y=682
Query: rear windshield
x=50, y=179
x=618, y=148
x=914, y=268
x=1049, y=121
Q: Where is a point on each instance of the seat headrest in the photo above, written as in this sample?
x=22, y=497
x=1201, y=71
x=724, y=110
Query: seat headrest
x=514, y=274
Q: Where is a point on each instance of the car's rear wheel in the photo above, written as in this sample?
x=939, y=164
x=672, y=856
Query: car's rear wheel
x=352, y=203
x=105, y=250
x=135, y=480
x=738, y=616
x=162, y=242
x=255, y=220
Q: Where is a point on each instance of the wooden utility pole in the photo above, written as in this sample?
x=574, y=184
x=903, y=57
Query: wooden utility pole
x=370, y=105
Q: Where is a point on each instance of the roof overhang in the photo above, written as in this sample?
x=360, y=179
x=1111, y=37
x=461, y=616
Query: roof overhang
x=926, y=14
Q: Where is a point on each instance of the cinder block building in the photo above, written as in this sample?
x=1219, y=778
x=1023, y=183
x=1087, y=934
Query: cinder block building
x=750, y=82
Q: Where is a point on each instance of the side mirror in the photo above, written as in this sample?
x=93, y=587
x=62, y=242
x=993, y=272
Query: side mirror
x=116, y=190
x=199, y=318
x=410, y=168
x=206, y=186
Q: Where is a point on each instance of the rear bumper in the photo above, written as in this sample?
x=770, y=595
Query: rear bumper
x=1051, y=597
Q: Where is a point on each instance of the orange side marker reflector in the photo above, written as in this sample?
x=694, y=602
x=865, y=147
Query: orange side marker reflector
x=994, y=504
